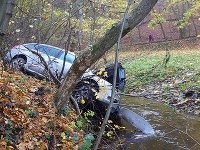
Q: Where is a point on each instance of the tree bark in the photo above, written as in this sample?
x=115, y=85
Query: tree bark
x=6, y=8
x=80, y=25
x=193, y=22
x=163, y=31
x=91, y=54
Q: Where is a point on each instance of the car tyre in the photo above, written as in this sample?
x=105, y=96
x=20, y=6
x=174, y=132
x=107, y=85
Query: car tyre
x=18, y=63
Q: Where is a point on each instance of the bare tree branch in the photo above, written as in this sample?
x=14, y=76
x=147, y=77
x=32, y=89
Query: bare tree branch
x=45, y=65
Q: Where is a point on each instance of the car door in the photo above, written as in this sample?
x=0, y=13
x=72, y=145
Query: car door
x=69, y=58
x=34, y=60
x=52, y=55
x=48, y=54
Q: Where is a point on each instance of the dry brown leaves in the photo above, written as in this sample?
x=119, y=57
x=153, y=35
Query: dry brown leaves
x=29, y=121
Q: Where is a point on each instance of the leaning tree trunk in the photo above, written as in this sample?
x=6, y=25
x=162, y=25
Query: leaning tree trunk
x=91, y=54
x=6, y=8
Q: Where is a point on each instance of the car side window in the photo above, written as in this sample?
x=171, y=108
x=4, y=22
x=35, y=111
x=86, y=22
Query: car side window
x=50, y=51
x=69, y=58
x=32, y=46
x=122, y=74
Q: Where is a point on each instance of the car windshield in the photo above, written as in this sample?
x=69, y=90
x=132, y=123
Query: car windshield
x=69, y=58
x=52, y=51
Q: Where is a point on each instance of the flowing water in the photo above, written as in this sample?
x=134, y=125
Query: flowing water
x=174, y=131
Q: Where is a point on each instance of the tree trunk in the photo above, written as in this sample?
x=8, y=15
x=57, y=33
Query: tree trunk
x=91, y=54
x=178, y=17
x=183, y=30
x=80, y=25
x=163, y=31
x=161, y=27
x=139, y=33
x=6, y=8
x=193, y=22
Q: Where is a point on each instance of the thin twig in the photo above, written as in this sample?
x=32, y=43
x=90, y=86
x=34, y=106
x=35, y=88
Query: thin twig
x=45, y=65
x=114, y=80
x=76, y=105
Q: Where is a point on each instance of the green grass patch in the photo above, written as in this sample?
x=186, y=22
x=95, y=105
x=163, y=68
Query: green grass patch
x=149, y=69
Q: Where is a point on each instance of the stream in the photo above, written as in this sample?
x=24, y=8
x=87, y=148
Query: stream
x=174, y=130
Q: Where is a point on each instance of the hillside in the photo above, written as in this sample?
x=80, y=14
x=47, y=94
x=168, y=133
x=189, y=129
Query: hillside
x=28, y=118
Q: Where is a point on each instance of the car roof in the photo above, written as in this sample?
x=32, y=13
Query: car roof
x=51, y=46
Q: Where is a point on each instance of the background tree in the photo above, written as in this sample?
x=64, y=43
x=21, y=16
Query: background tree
x=158, y=19
x=174, y=24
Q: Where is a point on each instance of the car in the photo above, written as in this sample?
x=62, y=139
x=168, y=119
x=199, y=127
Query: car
x=29, y=58
x=92, y=92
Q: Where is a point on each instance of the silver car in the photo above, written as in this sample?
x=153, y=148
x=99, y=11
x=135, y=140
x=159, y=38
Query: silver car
x=29, y=58
x=92, y=92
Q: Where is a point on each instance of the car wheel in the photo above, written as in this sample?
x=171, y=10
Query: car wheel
x=85, y=90
x=18, y=63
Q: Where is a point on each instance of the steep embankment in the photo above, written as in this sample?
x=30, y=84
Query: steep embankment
x=29, y=120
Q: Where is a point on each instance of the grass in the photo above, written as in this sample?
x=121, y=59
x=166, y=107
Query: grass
x=176, y=84
x=149, y=69
x=145, y=67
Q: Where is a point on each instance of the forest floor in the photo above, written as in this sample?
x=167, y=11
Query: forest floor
x=29, y=119
x=166, y=72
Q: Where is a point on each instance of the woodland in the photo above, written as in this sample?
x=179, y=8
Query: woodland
x=31, y=119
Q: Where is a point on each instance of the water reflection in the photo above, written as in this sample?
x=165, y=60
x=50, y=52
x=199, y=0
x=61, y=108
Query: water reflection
x=174, y=131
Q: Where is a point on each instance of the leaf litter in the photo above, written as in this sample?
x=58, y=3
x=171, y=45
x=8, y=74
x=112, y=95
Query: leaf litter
x=28, y=119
